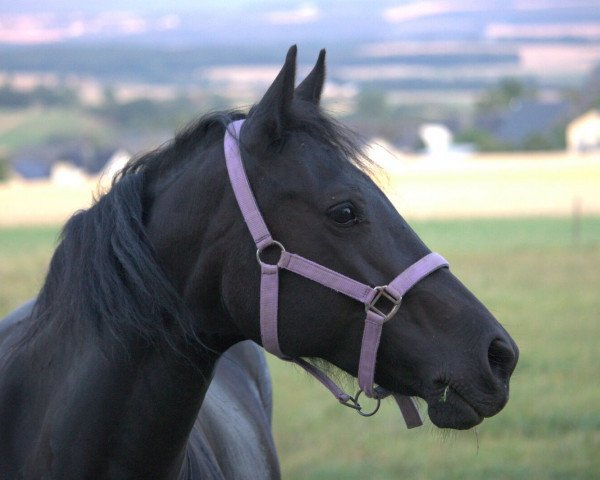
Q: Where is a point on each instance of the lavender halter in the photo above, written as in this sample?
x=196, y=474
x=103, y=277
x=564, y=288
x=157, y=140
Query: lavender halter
x=269, y=292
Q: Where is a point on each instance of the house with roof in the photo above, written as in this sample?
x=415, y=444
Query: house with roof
x=525, y=120
x=583, y=133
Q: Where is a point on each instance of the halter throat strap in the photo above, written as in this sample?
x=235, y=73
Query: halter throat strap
x=376, y=315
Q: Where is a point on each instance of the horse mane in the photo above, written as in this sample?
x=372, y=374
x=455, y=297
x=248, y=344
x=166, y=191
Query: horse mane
x=104, y=278
x=188, y=143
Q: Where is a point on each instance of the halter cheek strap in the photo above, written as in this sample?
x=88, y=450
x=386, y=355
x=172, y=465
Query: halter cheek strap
x=376, y=315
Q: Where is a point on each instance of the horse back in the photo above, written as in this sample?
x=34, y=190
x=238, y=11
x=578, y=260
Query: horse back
x=11, y=323
x=232, y=436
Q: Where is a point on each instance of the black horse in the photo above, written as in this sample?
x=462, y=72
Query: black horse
x=105, y=375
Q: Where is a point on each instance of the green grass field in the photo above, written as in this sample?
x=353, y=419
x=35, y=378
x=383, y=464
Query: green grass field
x=543, y=284
x=34, y=126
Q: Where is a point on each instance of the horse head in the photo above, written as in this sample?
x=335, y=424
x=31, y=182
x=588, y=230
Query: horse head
x=310, y=182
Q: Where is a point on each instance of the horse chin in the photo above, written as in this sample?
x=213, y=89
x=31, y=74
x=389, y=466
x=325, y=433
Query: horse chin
x=451, y=410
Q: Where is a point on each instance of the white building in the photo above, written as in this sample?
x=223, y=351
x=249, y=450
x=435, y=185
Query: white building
x=583, y=133
x=436, y=137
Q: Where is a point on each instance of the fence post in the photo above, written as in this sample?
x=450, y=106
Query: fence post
x=576, y=221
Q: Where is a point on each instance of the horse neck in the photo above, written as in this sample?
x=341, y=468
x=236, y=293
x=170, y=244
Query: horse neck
x=145, y=400
x=131, y=403
x=163, y=390
x=156, y=394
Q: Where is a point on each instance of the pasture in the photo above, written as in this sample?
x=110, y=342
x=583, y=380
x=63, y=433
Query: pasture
x=540, y=279
x=507, y=184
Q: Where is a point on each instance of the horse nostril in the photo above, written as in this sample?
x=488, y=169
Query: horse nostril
x=502, y=359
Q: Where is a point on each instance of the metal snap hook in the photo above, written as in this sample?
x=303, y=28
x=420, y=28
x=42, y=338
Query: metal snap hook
x=353, y=403
x=360, y=410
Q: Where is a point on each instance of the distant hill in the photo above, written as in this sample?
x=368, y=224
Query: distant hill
x=459, y=44
x=392, y=64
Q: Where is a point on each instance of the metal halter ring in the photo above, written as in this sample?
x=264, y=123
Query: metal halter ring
x=352, y=402
x=274, y=243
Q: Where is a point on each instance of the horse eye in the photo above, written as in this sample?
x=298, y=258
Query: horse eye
x=344, y=214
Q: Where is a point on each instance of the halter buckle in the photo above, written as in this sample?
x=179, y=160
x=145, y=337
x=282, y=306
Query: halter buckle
x=382, y=292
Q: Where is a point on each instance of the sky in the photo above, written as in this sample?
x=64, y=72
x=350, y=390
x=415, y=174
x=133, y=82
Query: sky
x=158, y=6
x=208, y=22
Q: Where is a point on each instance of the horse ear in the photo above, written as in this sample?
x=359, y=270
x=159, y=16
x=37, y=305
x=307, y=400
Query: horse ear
x=273, y=112
x=312, y=86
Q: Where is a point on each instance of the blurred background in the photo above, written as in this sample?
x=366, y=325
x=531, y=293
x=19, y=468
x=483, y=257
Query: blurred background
x=485, y=117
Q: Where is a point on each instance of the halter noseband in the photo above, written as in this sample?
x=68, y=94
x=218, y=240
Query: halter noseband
x=369, y=296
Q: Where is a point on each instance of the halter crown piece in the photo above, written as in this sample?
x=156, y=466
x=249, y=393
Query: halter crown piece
x=369, y=296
